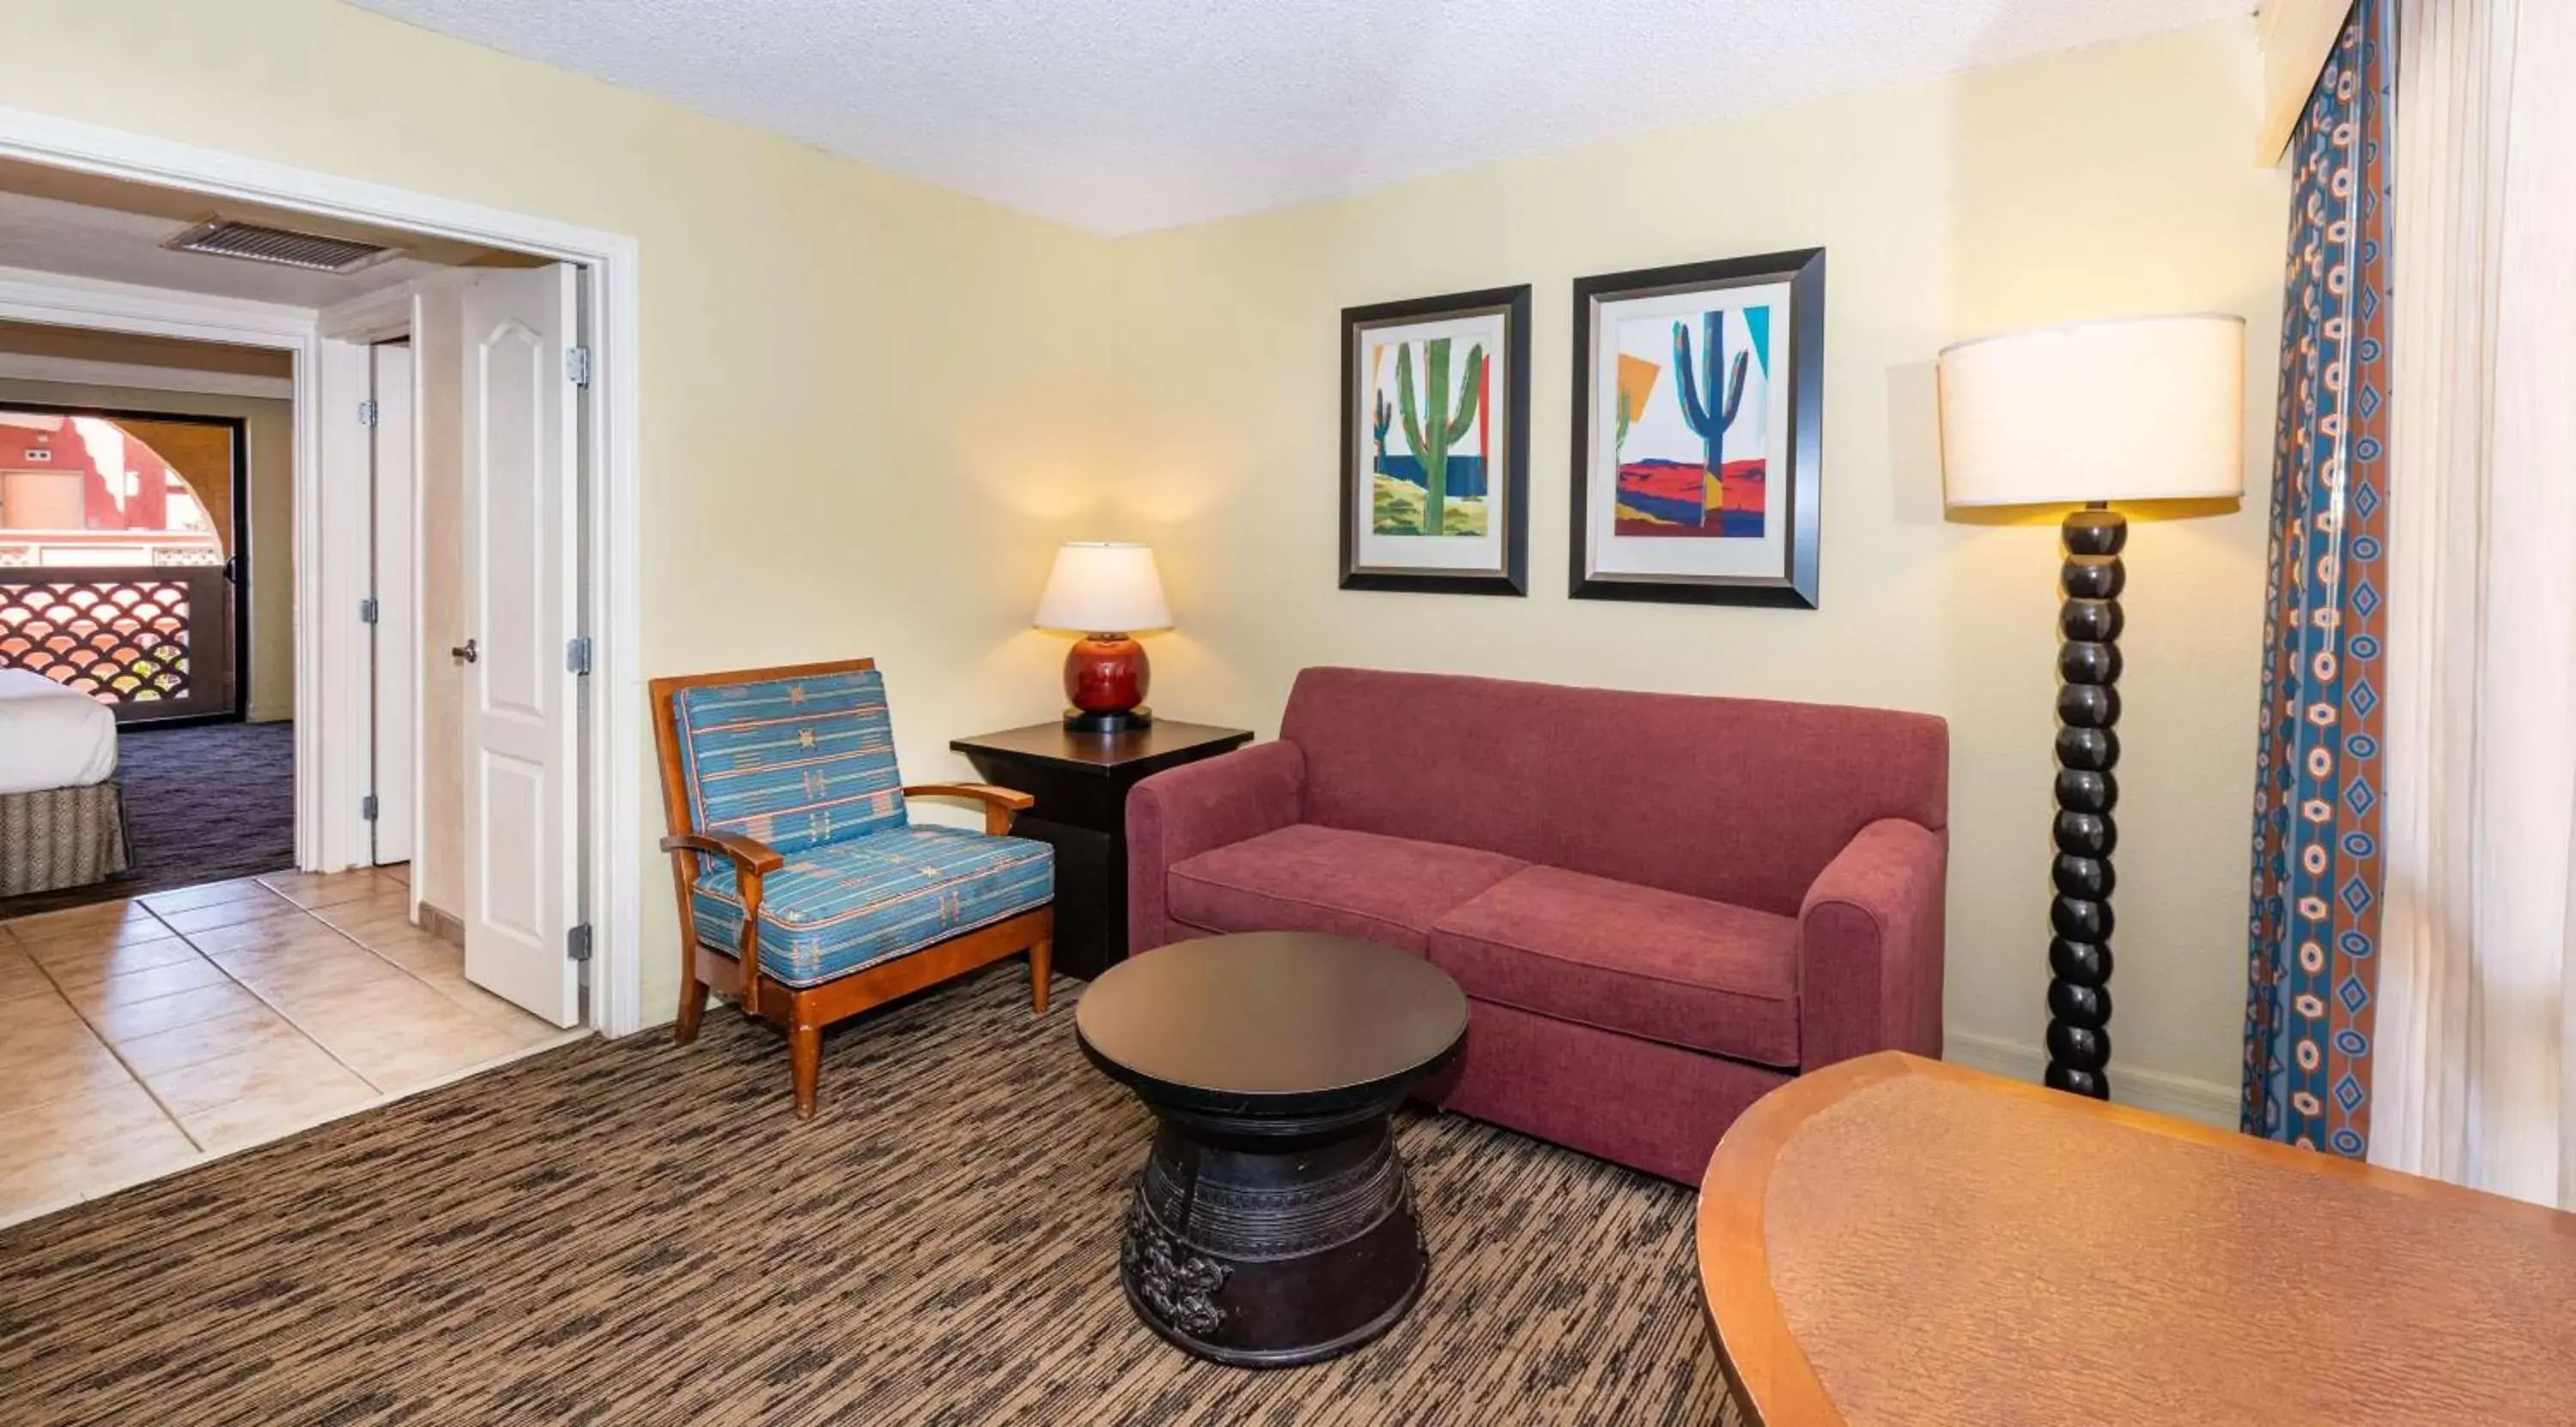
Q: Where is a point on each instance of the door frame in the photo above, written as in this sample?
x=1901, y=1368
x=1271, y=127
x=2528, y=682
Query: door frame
x=394, y=645
x=349, y=334
x=611, y=858
x=244, y=538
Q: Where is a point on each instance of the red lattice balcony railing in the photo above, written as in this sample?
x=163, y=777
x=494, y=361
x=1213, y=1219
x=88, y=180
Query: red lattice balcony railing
x=151, y=643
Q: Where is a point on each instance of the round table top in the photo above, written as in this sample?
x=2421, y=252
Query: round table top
x=1896, y=1242
x=1278, y=1022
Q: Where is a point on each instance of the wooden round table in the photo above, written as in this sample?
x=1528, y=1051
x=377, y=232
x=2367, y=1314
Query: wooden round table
x=1273, y=1223
x=1895, y=1242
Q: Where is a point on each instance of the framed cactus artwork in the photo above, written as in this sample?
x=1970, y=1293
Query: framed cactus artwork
x=1435, y=438
x=1698, y=413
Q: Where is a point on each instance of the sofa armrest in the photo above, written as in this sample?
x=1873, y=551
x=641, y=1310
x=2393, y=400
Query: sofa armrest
x=1870, y=947
x=1184, y=811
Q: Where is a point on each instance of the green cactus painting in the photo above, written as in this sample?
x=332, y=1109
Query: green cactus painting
x=1422, y=421
x=1432, y=439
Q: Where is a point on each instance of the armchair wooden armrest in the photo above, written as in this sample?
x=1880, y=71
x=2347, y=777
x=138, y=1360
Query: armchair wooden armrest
x=751, y=857
x=1001, y=805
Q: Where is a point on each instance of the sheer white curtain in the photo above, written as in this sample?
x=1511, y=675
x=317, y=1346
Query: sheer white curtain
x=2474, y=1078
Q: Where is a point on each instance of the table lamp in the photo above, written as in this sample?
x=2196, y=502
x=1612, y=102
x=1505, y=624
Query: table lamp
x=2149, y=408
x=1106, y=592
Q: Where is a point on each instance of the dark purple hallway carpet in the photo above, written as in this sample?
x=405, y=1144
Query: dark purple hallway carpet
x=205, y=804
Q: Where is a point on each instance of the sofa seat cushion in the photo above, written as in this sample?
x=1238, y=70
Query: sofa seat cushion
x=1643, y=962
x=1304, y=877
x=838, y=907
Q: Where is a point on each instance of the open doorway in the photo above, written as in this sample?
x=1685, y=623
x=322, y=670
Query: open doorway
x=449, y=548
x=131, y=565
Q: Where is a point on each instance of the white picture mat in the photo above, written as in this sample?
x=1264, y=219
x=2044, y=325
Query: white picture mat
x=1395, y=554
x=1765, y=557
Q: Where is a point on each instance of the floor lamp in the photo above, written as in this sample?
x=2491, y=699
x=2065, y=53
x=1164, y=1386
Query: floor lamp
x=2145, y=409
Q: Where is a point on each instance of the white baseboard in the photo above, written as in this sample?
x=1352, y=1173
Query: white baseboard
x=2161, y=1091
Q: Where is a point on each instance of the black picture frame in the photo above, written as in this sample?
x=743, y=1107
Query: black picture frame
x=1512, y=576
x=1799, y=496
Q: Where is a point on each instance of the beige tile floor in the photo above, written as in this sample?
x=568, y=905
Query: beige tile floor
x=141, y=1037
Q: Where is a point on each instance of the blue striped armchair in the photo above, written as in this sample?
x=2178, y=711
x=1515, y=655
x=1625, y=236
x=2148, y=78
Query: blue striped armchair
x=806, y=891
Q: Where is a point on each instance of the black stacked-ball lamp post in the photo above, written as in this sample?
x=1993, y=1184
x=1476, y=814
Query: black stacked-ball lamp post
x=2088, y=748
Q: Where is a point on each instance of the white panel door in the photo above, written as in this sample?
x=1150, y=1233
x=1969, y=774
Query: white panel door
x=397, y=627
x=522, y=773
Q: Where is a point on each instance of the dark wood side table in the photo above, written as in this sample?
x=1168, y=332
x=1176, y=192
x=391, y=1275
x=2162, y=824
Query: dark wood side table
x=1081, y=782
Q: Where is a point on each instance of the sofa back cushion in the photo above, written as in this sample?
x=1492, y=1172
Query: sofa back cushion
x=1734, y=800
x=794, y=762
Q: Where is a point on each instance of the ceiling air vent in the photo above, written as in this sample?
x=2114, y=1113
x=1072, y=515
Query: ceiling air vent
x=226, y=238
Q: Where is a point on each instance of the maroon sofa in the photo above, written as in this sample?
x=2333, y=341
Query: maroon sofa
x=1659, y=906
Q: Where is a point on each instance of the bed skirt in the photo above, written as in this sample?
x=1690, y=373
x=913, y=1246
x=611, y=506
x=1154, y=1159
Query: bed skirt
x=62, y=837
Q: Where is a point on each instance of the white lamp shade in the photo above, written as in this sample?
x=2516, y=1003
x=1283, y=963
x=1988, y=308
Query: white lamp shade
x=2148, y=408
x=1103, y=588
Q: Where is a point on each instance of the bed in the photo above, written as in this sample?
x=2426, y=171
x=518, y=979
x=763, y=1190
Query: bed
x=62, y=814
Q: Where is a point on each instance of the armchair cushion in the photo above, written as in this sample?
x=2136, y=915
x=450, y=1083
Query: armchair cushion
x=794, y=763
x=840, y=906
x=1321, y=879
x=1641, y=961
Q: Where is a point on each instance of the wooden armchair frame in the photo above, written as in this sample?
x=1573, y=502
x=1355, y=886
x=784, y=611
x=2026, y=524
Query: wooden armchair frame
x=805, y=1011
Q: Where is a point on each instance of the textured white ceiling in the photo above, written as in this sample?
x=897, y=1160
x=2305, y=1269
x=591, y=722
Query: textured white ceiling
x=1121, y=115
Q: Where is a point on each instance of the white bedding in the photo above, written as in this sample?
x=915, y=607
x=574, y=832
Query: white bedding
x=52, y=737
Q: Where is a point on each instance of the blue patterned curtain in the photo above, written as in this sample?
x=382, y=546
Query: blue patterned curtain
x=2315, y=915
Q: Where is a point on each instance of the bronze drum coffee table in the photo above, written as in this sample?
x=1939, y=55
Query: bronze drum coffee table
x=1273, y=1223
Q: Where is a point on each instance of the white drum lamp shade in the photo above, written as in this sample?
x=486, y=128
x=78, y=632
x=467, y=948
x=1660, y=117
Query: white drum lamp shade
x=2147, y=408
x=1098, y=587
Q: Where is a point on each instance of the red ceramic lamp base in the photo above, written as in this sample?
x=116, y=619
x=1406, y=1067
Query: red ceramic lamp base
x=1105, y=676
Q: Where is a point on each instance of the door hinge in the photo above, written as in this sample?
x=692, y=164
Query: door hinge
x=577, y=365
x=577, y=654
x=367, y=807
x=367, y=412
x=367, y=610
x=577, y=943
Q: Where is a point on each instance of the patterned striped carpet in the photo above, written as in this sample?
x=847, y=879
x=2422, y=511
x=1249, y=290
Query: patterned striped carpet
x=634, y=1233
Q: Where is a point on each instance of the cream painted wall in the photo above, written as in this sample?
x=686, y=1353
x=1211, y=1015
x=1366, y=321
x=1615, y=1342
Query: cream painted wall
x=870, y=405
x=2103, y=182
x=270, y=431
